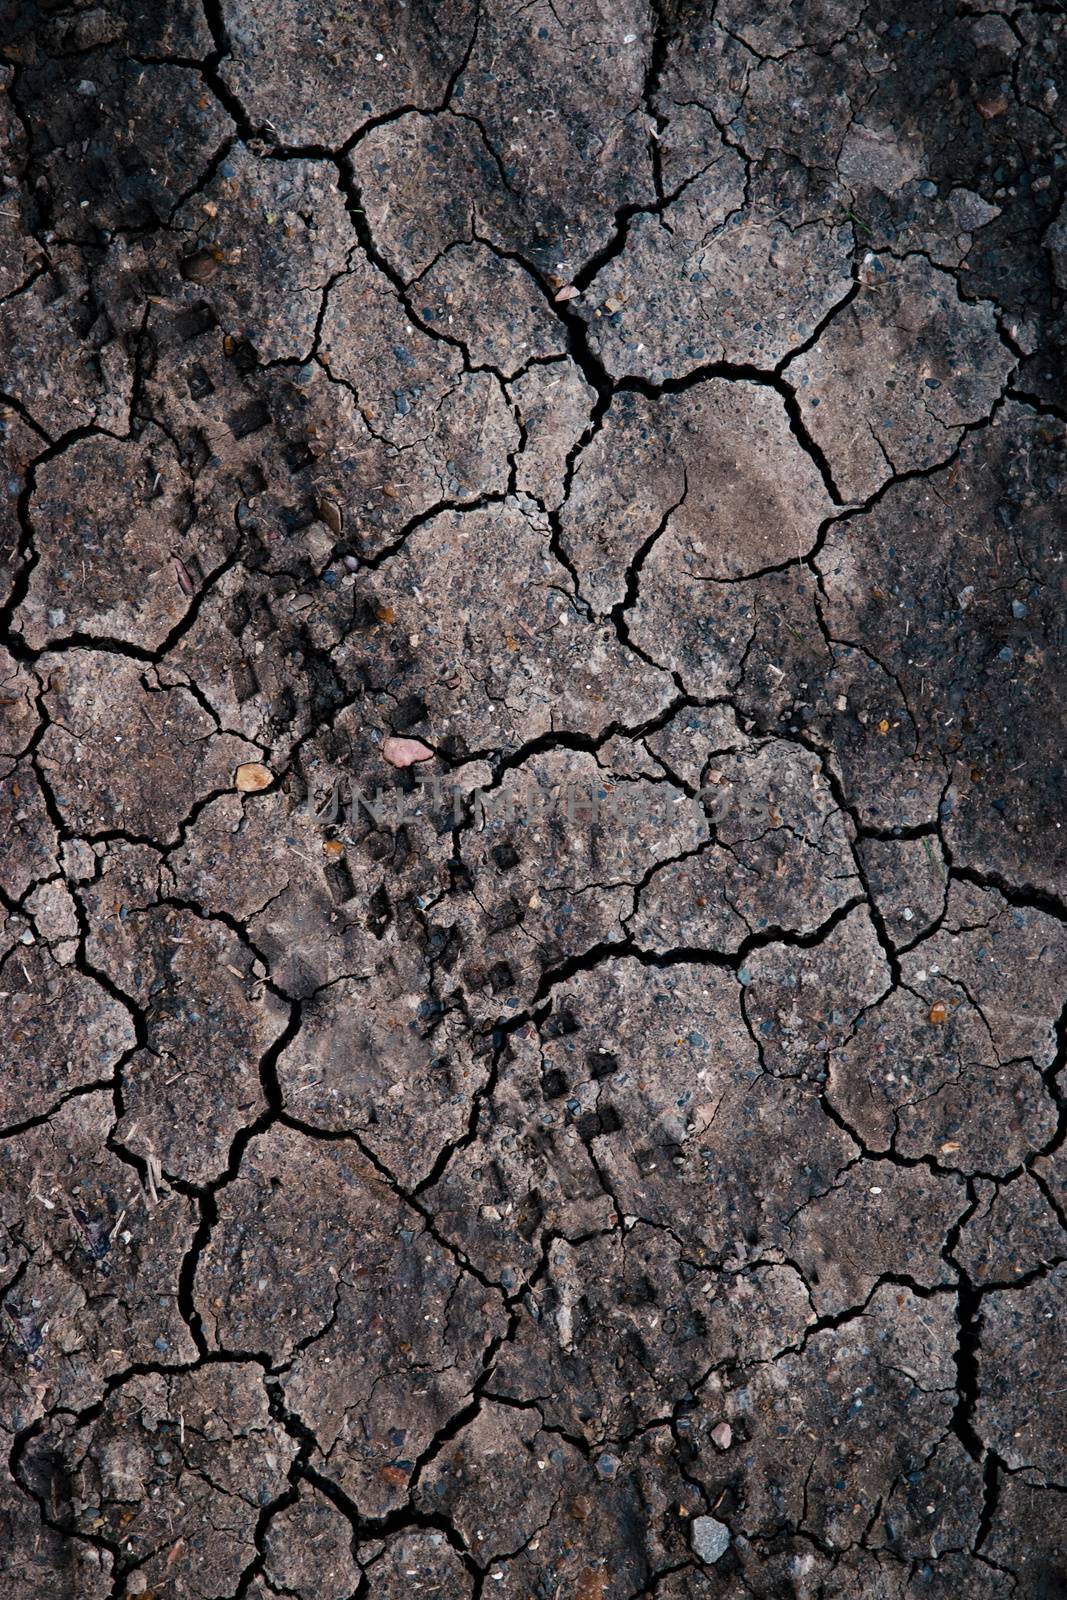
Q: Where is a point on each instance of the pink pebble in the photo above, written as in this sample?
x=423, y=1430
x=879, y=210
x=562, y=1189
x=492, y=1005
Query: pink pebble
x=405, y=752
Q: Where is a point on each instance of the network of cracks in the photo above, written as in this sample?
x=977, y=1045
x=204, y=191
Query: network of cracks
x=533, y=910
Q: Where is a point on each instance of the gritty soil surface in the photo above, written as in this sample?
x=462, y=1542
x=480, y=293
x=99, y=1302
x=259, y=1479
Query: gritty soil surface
x=532, y=906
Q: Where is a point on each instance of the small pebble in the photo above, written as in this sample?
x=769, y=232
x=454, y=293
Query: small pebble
x=329, y=512
x=199, y=267
x=405, y=752
x=252, y=776
x=710, y=1538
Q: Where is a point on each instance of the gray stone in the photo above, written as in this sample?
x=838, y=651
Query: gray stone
x=711, y=1539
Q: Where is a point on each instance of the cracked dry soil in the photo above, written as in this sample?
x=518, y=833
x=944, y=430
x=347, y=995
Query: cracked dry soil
x=623, y=1157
